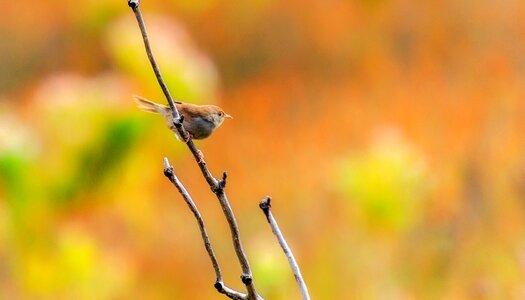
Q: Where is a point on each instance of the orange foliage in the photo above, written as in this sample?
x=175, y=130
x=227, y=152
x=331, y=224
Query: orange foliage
x=390, y=135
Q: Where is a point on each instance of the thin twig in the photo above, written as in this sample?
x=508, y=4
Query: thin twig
x=246, y=276
x=265, y=206
x=219, y=285
x=170, y=174
x=230, y=293
x=216, y=186
x=134, y=4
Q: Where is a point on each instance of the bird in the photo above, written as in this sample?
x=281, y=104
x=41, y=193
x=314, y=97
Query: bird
x=199, y=120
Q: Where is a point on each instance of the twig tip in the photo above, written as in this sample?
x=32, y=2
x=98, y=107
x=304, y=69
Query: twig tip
x=166, y=163
x=218, y=286
x=133, y=3
x=168, y=169
x=265, y=204
x=222, y=182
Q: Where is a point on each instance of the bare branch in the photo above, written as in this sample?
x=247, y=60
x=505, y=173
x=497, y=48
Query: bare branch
x=170, y=174
x=216, y=186
x=266, y=206
x=230, y=293
x=219, y=285
x=246, y=277
x=135, y=6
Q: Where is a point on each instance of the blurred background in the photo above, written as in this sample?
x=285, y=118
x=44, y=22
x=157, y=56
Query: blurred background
x=390, y=134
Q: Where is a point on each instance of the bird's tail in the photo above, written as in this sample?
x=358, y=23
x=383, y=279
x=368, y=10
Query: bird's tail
x=151, y=106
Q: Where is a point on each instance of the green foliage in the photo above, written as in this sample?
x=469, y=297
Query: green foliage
x=100, y=157
x=13, y=175
x=272, y=270
x=385, y=185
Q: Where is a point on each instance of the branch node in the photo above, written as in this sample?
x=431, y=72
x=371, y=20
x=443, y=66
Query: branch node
x=168, y=171
x=222, y=182
x=178, y=122
x=133, y=3
x=219, y=286
x=246, y=279
x=218, y=187
x=265, y=204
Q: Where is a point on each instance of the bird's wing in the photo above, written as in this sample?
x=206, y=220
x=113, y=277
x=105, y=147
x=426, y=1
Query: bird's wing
x=191, y=111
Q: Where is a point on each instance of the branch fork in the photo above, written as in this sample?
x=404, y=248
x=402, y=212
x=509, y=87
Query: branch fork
x=217, y=186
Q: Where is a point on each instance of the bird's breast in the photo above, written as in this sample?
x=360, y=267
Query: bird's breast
x=199, y=128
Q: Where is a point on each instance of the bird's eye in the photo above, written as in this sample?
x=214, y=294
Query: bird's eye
x=221, y=114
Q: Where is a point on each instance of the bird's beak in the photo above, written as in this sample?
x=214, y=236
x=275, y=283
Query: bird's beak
x=228, y=116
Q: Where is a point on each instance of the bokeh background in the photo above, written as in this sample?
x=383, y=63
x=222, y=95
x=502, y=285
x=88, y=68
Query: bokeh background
x=390, y=134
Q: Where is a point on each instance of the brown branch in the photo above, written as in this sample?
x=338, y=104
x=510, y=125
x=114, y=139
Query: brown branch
x=134, y=4
x=170, y=174
x=265, y=206
x=230, y=293
x=219, y=285
x=246, y=276
x=216, y=186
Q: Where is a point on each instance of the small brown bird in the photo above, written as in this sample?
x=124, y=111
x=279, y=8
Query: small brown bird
x=199, y=120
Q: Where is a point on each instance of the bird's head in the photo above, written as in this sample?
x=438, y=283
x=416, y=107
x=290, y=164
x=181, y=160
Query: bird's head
x=217, y=115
